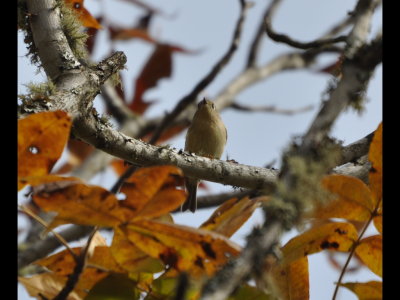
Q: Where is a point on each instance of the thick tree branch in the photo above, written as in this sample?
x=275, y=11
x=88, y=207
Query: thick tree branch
x=50, y=41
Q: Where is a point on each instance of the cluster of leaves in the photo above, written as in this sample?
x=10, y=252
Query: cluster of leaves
x=146, y=241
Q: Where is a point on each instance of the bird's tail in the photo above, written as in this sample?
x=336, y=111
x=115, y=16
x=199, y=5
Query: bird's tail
x=191, y=201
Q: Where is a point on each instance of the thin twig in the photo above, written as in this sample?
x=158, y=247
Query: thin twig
x=283, y=38
x=271, y=109
x=256, y=44
x=353, y=249
x=80, y=265
x=29, y=212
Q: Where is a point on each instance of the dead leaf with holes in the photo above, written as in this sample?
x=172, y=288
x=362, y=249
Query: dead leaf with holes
x=198, y=252
x=41, y=141
x=333, y=236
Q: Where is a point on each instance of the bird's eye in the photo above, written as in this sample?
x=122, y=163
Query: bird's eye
x=213, y=106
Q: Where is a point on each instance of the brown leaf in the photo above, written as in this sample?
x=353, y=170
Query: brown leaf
x=370, y=252
x=331, y=236
x=196, y=251
x=158, y=66
x=83, y=14
x=48, y=285
x=41, y=141
x=371, y=290
x=353, y=199
x=231, y=215
x=291, y=281
x=375, y=157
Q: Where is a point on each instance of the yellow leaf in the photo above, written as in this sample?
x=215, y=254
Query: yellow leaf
x=370, y=252
x=130, y=257
x=378, y=223
x=375, y=157
x=184, y=248
x=291, y=281
x=41, y=141
x=371, y=290
x=231, y=215
x=353, y=200
x=331, y=236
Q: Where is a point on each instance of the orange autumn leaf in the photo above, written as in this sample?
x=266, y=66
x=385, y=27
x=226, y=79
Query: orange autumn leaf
x=370, y=253
x=119, y=166
x=130, y=257
x=231, y=215
x=142, y=187
x=41, y=141
x=83, y=14
x=378, y=223
x=331, y=236
x=150, y=193
x=375, y=157
x=352, y=199
x=371, y=290
x=80, y=204
x=291, y=281
x=50, y=180
x=184, y=248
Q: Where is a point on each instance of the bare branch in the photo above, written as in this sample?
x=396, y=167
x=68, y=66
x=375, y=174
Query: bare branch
x=356, y=73
x=362, y=22
x=283, y=38
x=270, y=108
x=256, y=44
x=78, y=269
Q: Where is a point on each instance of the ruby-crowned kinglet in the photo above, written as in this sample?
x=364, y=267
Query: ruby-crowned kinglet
x=207, y=137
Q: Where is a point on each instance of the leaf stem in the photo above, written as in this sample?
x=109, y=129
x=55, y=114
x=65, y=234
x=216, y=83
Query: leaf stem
x=352, y=251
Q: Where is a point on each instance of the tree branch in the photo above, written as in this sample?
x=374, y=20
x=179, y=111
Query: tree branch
x=270, y=108
x=283, y=38
x=280, y=218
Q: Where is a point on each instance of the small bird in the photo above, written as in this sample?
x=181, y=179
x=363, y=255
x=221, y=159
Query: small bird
x=207, y=137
